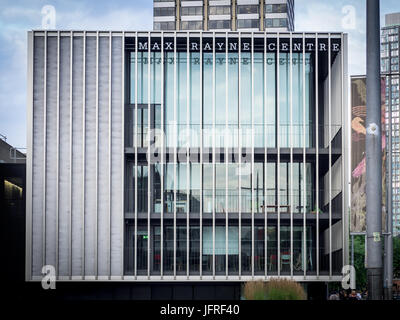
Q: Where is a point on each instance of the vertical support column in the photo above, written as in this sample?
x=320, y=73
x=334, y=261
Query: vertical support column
x=136, y=148
x=44, y=148
x=304, y=160
x=344, y=157
x=291, y=155
x=240, y=159
x=188, y=108
x=226, y=157
x=123, y=146
x=317, y=152
x=252, y=155
x=175, y=148
x=70, y=155
x=373, y=148
x=213, y=157
x=233, y=10
x=83, y=152
x=205, y=14
x=261, y=15
x=150, y=171
x=162, y=159
x=96, y=242
x=178, y=14
x=58, y=157
x=330, y=150
x=201, y=153
x=265, y=162
x=347, y=125
x=110, y=151
x=278, y=158
x=29, y=160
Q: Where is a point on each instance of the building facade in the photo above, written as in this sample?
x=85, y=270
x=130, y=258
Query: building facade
x=224, y=15
x=213, y=156
x=390, y=69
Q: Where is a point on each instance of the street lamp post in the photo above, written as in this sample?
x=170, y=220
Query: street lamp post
x=373, y=147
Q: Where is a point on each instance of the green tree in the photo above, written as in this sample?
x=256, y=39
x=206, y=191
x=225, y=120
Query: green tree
x=396, y=258
x=359, y=261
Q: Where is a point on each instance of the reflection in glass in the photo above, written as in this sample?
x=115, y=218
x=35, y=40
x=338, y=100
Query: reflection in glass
x=246, y=249
x=207, y=188
x=194, y=249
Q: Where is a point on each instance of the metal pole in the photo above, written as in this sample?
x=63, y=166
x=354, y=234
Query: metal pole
x=373, y=145
x=352, y=249
x=388, y=262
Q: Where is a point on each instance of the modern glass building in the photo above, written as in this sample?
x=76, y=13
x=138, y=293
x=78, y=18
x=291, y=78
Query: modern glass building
x=390, y=68
x=224, y=15
x=187, y=156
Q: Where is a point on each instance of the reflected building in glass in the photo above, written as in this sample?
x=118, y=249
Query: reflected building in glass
x=187, y=156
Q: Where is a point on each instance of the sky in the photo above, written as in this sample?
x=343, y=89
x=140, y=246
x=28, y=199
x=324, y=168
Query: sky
x=19, y=16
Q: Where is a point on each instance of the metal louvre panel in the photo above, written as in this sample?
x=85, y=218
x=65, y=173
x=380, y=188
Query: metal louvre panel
x=90, y=156
x=77, y=156
x=51, y=152
x=37, y=155
x=116, y=157
x=64, y=158
x=103, y=157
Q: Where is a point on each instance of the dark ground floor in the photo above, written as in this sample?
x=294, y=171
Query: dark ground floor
x=146, y=291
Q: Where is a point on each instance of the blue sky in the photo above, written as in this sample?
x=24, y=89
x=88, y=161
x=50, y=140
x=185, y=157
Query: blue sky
x=18, y=16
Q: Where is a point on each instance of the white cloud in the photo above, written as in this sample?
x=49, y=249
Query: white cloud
x=327, y=17
x=14, y=48
x=123, y=19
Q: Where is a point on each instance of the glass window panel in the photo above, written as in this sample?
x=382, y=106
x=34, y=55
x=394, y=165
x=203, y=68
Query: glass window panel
x=220, y=97
x=245, y=100
x=194, y=249
x=195, y=185
x=272, y=251
x=169, y=188
x=259, y=116
x=246, y=249
x=157, y=188
x=245, y=188
x=207, y=99
x=258, y=187
x=169, y=98
x=284, y=101
x=233, y=99
x=156, y=249
x=142, y=238
x=182, y=97
x=207, y=188
x=195, y=107
x=181, y=196
x=259, y=249
x=168, y=255
x=181, y=257
x=271, y=187
x=233, y=249
x=142, y=188
x=233, y=187
x=129, y=252
x=220, y=249
x=143, y=74
x=207, y=249
x=271, y=100
x=220, y=188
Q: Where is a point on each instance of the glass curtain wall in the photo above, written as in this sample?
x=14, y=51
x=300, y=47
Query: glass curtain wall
x=193, y=100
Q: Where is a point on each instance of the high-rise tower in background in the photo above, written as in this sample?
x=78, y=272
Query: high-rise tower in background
x=390, y=69
x=224, y=15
